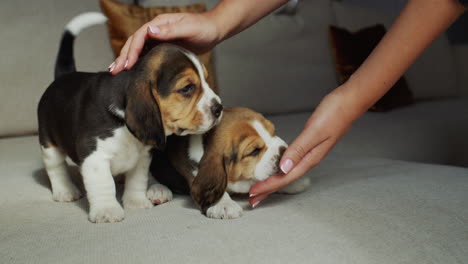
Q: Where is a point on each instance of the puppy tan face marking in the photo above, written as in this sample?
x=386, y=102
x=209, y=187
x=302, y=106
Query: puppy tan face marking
x=178, y=106
x=244, y=152
x=268, y=164
x=210, y=103
x=240, y=151
x=251, y=148
x=179, y=86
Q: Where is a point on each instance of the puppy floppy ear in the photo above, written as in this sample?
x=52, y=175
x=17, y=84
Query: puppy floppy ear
x=143, y=116
x=210, y=184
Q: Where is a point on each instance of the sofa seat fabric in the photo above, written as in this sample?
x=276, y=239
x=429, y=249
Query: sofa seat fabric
x=429, y=132
x=357, y=210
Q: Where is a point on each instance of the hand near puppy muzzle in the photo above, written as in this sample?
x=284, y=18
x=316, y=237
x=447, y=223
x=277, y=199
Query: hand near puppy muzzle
x=325, y=127
x=338, y=110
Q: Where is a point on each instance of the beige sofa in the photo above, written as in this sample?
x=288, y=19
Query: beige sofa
x=394, y=190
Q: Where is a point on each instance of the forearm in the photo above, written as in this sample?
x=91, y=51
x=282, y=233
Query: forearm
x=420, y=22
x=233, y=16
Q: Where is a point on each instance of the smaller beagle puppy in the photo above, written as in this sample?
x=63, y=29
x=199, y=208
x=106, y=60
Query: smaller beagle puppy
x=108, y=124
x=240, y=151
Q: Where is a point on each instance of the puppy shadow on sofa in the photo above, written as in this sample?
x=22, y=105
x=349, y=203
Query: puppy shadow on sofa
x=41, y=177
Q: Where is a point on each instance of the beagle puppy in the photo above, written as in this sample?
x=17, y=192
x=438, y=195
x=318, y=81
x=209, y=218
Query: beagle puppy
x=108, y=124
x=240, y=151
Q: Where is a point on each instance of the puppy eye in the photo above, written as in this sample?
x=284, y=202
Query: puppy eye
x=187, y=89
x=255, y=152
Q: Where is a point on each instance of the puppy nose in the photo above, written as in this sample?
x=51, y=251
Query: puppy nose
x=216, y=109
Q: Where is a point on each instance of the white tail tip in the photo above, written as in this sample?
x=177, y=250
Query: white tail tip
x=85, y=20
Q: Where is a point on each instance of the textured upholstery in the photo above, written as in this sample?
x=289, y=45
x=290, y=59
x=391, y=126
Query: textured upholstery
x=358, y=210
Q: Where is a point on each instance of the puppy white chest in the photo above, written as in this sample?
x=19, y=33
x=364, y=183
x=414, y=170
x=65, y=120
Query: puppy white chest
x=123, y=150
x=196, y=150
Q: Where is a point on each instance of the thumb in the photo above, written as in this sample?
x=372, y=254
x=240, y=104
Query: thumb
x=296, y=151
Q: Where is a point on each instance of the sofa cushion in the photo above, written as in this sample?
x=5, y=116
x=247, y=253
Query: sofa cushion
x=358, y=210
x=461, y=61
x=31, y=32
x=429, y=132
x=432, y=75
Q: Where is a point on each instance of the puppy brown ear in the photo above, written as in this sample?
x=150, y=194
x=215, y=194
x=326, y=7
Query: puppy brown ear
x=143, y=116
x=211, y=182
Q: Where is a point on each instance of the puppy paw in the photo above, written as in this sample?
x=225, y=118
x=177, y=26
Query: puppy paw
x=159, y=194
x=136, y=203
x=106, y=213
x=224, y=210
x=296, y=186
x=66, y=194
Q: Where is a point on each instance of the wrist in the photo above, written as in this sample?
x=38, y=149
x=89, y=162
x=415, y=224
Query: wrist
x=215, y=16
x=352, y=105
x=233, y=16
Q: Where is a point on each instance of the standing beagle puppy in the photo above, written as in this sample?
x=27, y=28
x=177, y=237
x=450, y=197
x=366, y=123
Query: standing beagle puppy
x=108, y=124
x=240, y=151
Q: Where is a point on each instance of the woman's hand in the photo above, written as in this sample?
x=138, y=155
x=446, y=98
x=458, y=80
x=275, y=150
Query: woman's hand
x=405, y=40
x=197, y=32
x=329, y=122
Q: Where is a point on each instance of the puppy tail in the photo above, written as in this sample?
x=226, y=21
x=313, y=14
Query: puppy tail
x=65, y=62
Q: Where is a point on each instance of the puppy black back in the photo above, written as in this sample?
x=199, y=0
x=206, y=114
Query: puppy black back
x=74, y=108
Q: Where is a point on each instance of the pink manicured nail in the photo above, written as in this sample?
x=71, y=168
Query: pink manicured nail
x=154, y=30
x=112, y=64
x=255, y=204
x=252, y=195
x=286, y=166
x=126, y=64
x=112, y=68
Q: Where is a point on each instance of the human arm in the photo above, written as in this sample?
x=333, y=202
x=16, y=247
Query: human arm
x=419, y=23
x=196, y=32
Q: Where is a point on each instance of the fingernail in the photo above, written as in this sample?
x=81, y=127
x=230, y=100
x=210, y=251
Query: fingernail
x=286, y=166
x=252, y=194
x=255, y=204
x=154, y=30
x=110, y=66
x=126, y=64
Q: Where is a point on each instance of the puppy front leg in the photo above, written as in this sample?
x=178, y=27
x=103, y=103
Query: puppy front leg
x=100, y=188
x=136, y=184
x=226, y=208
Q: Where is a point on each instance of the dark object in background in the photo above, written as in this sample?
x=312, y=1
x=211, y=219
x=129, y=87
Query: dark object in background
x=349, y=51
